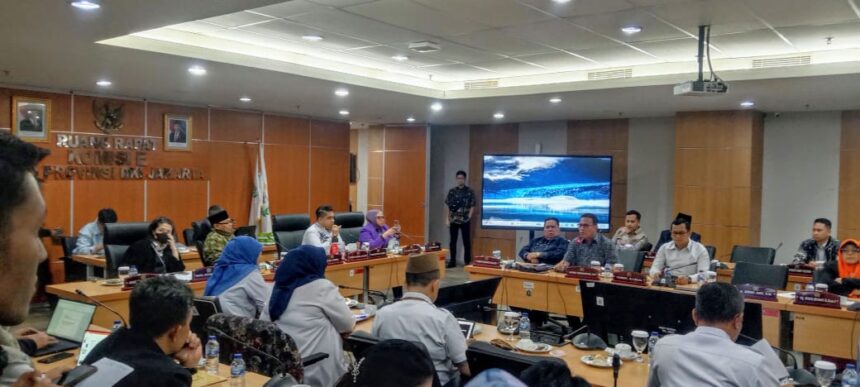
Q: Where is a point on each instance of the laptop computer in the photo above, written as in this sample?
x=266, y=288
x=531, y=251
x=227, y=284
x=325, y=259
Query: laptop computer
x=250, y=231
x=68, y=325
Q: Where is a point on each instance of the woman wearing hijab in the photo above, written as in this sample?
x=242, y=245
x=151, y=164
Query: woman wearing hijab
x=310, y=309
x=157, y=253
x=375, y=231
x=236, y=280
x=842, y=275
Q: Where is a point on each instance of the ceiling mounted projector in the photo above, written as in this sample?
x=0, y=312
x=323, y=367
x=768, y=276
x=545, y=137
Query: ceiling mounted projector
x=424, y=46
x=702, y=87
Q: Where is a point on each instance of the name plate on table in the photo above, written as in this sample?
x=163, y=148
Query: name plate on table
x=378, y=253
x=758, y=292
x=129, y=282
x=629, y=278
x=335, y=259
x=816, y=298
x=359, y=255
x=800, y=269
x=431, y=247
x=582, y=272
x=486, y=261
x=201, y=274
x=411, y=250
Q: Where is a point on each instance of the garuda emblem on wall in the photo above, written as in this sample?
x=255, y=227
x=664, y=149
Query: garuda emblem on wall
x=108, y=116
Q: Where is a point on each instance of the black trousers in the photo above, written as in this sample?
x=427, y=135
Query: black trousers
x=455, y=229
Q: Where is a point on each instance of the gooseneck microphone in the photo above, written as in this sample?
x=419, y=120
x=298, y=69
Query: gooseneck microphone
x=99, y=303
x=616, y=365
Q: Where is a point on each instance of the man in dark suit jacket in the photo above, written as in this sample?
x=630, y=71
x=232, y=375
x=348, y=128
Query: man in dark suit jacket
x=177, y=133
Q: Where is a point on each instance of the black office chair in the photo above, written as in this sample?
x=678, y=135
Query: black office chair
x=201, y=229
x=760, y=255
x=289, y=229
x=204, y=307
x=712, y=252
x=114, y=258
x=188, y=236
x=350, y=225
x=771, y=276
x=631, y=259
x=74, y=271
x=125, y=233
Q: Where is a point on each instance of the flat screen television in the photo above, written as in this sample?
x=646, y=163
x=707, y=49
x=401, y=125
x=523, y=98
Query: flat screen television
x=520, y=191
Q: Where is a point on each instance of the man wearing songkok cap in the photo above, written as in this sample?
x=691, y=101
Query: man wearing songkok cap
x=416, y=319
x=223, y=228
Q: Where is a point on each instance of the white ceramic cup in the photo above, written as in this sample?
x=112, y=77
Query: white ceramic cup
x=624, y=350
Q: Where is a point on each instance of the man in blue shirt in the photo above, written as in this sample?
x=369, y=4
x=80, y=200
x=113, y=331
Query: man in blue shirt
x=91, y=236
x=549, y=248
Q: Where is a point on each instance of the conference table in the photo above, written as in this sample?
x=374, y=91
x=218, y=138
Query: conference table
x=358, y=277
x=802, y=328
x=200, y=379
x=632, y=373
x=794, y=283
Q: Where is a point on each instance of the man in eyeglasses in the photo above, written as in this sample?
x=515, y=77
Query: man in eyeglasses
x=683, y=256
x=223, y=228
x=589, y=246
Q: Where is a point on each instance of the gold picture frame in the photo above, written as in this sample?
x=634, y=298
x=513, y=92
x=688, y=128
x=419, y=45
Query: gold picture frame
x=31, y=118
x=177, y=133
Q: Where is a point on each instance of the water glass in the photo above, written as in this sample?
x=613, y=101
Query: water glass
x=825, y=372
x=640, y=341
x=122, y=272
x=512, y=321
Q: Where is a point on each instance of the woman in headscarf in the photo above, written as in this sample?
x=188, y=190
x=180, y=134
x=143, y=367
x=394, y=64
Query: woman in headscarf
x=375, y=232
x=842, y=275
x=236, y=280
x=310, y=309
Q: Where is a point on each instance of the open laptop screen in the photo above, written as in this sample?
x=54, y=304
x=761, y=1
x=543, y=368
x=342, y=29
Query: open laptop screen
x=71, y=320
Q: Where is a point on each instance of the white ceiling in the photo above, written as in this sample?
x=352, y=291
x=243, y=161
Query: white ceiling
x=534, y=48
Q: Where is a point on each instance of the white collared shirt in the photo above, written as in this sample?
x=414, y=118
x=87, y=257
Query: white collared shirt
x=687, y=261
x=707, y=357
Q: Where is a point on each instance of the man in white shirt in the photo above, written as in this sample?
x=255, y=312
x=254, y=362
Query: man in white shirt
x=681, y=256
x=415, y=318
x=91, y=236
x=709, y=355
x=324, y=231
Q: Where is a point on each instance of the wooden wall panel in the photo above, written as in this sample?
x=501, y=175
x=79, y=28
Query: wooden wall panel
x=330, y=134
x=231, y=177
x=605, y=138
x=181, y=201
x=133, y=115
x=155, y=120
x=718, y=174
x=288, y=170
x=405, y=180
x=849, y=177
x=287, y=130
x=126, y=197
x=329, y=179
x=488, y=139
x=230, y=125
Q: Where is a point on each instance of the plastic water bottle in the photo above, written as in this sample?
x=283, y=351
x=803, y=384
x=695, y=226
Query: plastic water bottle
x=116, y=325
x=525, y=327
x=213, y=350
x=849, y=376
x=652, y=341
x=237, y=371
x=132, y=271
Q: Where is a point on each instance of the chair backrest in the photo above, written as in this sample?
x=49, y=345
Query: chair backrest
x=204, y=307
x=264, y=336
x=289, y=229
x=114, y=258
x=631, y=259
x=188, y=236
x=350, y=225
x=760, y=255
x=201, y=229
x=712, y=252
x=125, y=233
x=69, y=244
x=773, y=276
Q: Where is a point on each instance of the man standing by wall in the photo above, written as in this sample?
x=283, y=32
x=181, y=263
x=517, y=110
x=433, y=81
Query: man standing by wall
x=459, y=207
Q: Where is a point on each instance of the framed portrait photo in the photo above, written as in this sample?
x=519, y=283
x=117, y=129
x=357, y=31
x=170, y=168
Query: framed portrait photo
x=177, y=133
x=31, y=118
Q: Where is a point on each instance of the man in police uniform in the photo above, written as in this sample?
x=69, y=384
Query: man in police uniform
x=415, y=318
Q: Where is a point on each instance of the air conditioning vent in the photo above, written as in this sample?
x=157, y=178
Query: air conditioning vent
x=610, y=74
x=781, y=62
x=485, y=84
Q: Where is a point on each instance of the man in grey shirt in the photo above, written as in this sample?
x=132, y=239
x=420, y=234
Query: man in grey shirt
x=415, y=318
x=324, y=232
x=589, y=246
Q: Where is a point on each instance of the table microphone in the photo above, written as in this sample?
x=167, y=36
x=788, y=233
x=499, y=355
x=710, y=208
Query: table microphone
x=99, y=303
x=616, y=364
x=369, y=292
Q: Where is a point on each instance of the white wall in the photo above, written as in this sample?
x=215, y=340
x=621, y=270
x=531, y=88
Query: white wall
x=449, y=152
x=800, y=177
x=650, y=170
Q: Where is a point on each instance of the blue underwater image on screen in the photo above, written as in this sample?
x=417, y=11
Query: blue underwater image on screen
x=520, y=191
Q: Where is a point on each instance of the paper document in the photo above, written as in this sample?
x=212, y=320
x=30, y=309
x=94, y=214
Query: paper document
x=109, y=373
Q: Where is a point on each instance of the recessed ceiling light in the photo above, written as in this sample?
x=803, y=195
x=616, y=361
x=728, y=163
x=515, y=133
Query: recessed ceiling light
x=245, y=99
x=555, y=100
x=499, y=115
x=400, y=58
x=561, y=1
x=104, y=83
x=343, y=112
x=86, y=5
x=197, y=70
x=341, y=92
x=410, y=119
x=436, y=106
x=747, y=104
x=632, y=29
x=312, y=37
